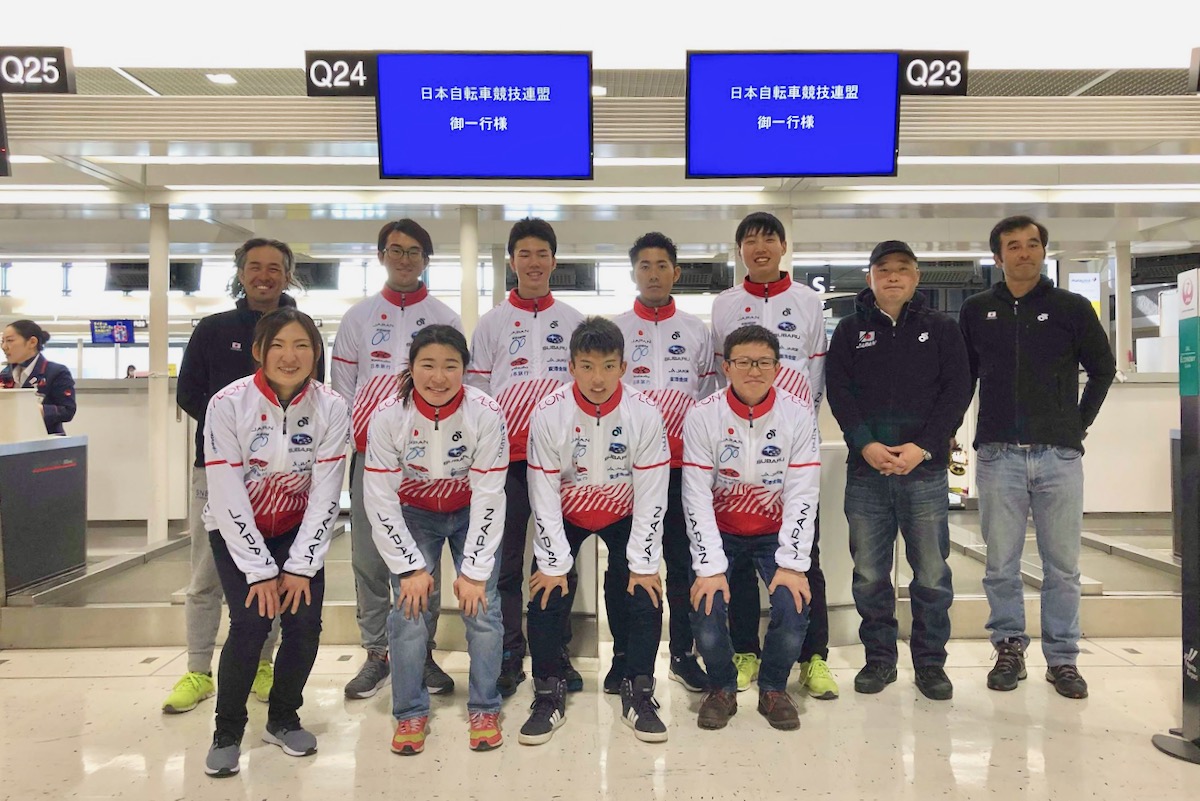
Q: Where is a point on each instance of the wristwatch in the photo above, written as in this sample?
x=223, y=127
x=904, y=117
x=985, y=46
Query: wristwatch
x=927, y=455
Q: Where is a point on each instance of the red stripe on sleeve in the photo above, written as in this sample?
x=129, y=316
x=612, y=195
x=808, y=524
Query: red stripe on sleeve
x=344, y=361
x=650, y=466
x=806, y=464
x=493, y=470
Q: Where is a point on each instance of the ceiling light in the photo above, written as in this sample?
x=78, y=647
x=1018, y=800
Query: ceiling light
x=222, y=78
x=1050, y=160
x=599, y=91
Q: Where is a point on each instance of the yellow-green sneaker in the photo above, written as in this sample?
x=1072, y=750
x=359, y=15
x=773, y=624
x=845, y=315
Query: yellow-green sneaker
x=264, y=679
x=816, y=678
x=188, y=692
x=747, y=670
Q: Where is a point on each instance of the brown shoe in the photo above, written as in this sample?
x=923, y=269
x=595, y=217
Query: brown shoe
x=779, y=709
x=717, y=708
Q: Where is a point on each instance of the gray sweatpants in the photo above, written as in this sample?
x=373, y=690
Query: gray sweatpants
x=202, y=606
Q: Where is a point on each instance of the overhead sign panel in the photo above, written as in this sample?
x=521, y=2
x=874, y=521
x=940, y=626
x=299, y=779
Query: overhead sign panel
x=36, y=70
x=792, y=114
x=940, y=72
x=340, y=73
x=485, y=115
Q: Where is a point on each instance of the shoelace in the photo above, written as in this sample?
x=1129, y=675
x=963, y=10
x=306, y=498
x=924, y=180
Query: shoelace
x=645, y=703
x=190, y=679
x=819, y=669
x=1068, y=672
x=775, y=699
x=1008, y=658
x=484, y=720
x=410, y=726
x=544, y=704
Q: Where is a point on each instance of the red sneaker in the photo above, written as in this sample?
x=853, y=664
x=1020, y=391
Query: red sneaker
x=485, y=731
x=409, y=739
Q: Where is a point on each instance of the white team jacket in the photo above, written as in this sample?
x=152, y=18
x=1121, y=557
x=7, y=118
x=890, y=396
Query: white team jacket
x=792, y=312
x=440, y=459
x=750, y=471
x=519, y=355
x=594, y=465
x=670, y=359
x=371, y=348
x=270, y=469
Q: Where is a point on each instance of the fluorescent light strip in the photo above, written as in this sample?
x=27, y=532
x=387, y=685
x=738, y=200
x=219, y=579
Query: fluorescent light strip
x=52, y=188
x=1049, y=160
x=1008, y=187
x=139, y=84
x=473, y=189
x=366, y=161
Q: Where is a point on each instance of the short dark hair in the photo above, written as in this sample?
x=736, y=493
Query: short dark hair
x=411, y=229
x=431, y=335
x=760, y=222
x=597, y=335
x=654, y=239
x=236, y=290
x=270, y=324
x=1016, y=223
x=28, y=329
x=749, y=334
x=534, y=227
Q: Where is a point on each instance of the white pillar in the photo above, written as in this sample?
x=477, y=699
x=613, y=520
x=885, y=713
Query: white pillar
x=499, y=273
x=158, y=391
x=1123, y=290
x=468, y=244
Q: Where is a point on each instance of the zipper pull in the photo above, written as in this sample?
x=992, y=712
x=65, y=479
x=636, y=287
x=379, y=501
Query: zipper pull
x=597, y=415
x=437, y=415
x=750, y=409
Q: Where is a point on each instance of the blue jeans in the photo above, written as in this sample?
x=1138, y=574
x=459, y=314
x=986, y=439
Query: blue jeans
x=876, y=506
x=1014, y=479
x=785, y=632
x=408, y=639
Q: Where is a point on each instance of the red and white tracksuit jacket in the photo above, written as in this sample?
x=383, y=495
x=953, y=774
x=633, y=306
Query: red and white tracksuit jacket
x=371, y=348
x=750, y=471
x=440, y=459
x=669, y=353
x=519, y=355
x=270, y=469
x=593, y=465
x=792, y=312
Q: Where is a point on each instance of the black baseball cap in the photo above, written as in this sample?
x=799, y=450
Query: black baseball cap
x=889, y=247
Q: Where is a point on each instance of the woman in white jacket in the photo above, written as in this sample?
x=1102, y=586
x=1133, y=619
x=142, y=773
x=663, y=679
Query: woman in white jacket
x=274, y=454
x=437, y=458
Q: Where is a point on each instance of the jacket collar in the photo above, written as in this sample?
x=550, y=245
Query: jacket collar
x=744, y=411
x=591, y=408
x=655, y=314
x=531, y=304
x=403, y=299
x=431, y=412
x=1043, y=286
x=260, y=381
x=285, y=300
x=769, y=289
x=867, y=306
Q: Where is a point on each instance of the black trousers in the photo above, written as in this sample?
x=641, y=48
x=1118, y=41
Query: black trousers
x=301, y=635
x=745, y=612
x=635, y=621
x=511, y=583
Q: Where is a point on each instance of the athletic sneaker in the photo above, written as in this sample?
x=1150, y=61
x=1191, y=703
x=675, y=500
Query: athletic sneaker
x=779, y=709
x=373, y=674
x=615, y=675
x=485, y=731
x=716, y=709
x=639, y=710
x=512, y=673
x=188, y=692
x=223, y=756
x=1010, y=666
x=570, y=674
x=747, y=670
x=437, y=681
x=546, y=713
x=1067, y=681
x=873, y=677
x=934, y=684
x=815, y=675
x=687, y=671
x=294, y=740
x=264, y=679
x=409, y=739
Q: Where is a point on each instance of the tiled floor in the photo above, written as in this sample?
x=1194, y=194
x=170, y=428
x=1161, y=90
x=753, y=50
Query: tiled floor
x=86, y=725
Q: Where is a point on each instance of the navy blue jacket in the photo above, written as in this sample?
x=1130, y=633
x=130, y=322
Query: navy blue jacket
x=907, y=382
x=54, y=384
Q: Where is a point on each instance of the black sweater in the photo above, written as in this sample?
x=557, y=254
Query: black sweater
x=1026, y=353
x=907, y=382
x=219, y=353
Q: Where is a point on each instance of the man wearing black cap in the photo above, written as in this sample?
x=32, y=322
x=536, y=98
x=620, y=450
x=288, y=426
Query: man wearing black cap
x=899, y=382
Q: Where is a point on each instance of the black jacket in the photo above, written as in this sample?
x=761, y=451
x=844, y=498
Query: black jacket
x=1026, y=353
x=908, y=382
x=56, y=386
x=219, y=353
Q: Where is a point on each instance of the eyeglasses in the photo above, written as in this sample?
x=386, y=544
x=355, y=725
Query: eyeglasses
x=744, y=365
x=413, y=254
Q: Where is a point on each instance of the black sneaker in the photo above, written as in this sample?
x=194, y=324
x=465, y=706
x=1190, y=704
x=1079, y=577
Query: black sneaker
x=873, y=677
x=512, y=673
x=615, y=675
x=1009, y=668
x=373, y=674
x=547, y=713
x=570, y=674
x=687, y=671
x=934, y=684
x=639, y=710
x=1067, y=681
x=437, y=681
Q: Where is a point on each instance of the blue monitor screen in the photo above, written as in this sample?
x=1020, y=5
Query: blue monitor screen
x=485, y=115
x=761, y=115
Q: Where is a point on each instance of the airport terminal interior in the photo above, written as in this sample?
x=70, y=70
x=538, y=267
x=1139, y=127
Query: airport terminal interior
x=128, y=193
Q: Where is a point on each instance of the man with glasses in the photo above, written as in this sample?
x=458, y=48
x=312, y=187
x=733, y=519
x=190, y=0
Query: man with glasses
x=793, y=313
x=370, y=351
